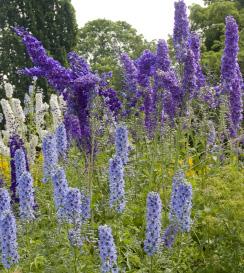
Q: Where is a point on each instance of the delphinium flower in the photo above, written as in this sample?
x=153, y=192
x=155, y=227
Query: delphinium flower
x=229, y=60
x=4, y=149
x=162, y=56
x=4, y=202
x=194, y=42
x=50, y=155
x=231, y=76
x=153, y=229
x=60, y=188
x=11, y=124
x=169, y=235
x=85, y=207
x=73, y=206
x=107, y=248
x=145, y=65
x=75, y=238
x=72, y=126
x=55, y=110
x=181, y=202
x=26, y=196
x=111, y=100
x=61, y=141
x=189, y=81
x=169, y=82
x=8, y=240
x=45, y=66
x=116, y=184
x=20, y=163
x=15, y=143
x=169, y=106
x=40, y=111
x=181, y=31
x=130, y=81
x=8, y=90
x=18, y=114
x=31, y=148
x=121, y=143
x=236, y=106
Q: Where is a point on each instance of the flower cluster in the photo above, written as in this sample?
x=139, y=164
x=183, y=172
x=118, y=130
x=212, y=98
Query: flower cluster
x=116, y=184
x=108, y=253
x=181, y=202
x=121, y=143
x=8, y=240
x=169, y=235
x=15, y=143
x=181, y=31
x=60, y=186
x=26, y=196
x=73, y=206
x=189, y=77
x=231, y=76
x=40, y=112
x=130, y=81
x=153, y=229
x=20, y=163
x=4, y=202
x=146, y=66
x=163, y=62
x=194, y=43
x=56, y=111
x=61, y=141
x=50, y=155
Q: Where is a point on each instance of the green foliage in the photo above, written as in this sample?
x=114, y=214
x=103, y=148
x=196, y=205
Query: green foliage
x=210, y=22
x=101, y=41
x=51, y=21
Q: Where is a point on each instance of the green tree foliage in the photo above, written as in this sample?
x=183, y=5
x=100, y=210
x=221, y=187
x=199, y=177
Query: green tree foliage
x=209, y=21
x=53, y=22
x=101, y=41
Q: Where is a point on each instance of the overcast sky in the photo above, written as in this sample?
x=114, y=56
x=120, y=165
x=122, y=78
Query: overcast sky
x=152, y=18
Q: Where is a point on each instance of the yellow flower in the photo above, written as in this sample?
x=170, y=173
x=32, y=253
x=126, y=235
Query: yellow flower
x=5, y=167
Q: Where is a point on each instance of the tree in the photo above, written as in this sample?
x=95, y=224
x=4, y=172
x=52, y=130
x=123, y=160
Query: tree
x=53, y=22
x=101, y=41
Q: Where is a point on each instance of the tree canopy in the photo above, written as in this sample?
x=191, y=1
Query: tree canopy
x=53, y=22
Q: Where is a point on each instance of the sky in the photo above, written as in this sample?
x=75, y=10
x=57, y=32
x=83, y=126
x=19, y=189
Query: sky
x=152, y=18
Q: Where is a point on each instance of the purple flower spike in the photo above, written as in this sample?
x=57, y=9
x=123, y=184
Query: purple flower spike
x=169, y=235
x=26, y=196
x=61, y=141
x=8, y=240
x=153, y=230
x=181, y=202
x=108, y=253
x=116, y=184
x=50, y=156
x=181, y=30
x=60, y=188
x=231, y=76
x=15, y=143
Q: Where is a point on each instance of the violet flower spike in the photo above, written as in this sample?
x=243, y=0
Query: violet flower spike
x=108, y=253
x=153, y=228
x=116, y=184
x=9, y=244
x=181, y=30
x=26, y=196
